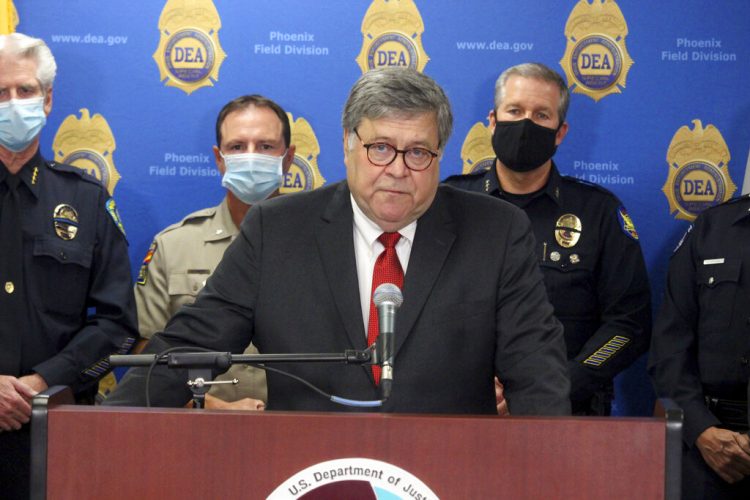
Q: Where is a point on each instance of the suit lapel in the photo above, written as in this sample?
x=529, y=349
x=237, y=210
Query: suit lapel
x=432, y=243
x=335, y=243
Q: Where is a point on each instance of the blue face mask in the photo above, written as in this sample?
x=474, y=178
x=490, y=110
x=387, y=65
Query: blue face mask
x=21, y=120
x=252, y=177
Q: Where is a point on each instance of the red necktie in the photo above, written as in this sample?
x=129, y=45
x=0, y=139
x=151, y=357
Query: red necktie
x=387, y=270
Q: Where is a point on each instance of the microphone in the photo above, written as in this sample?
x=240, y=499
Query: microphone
x=387, y=298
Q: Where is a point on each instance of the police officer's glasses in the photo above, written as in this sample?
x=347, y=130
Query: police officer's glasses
x=383, y=154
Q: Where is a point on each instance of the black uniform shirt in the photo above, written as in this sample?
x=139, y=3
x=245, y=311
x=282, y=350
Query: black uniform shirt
x=78, y=294
x=598, y=286
x=701, y=342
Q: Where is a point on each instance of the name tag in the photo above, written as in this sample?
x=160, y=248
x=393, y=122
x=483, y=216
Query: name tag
x=709, y=262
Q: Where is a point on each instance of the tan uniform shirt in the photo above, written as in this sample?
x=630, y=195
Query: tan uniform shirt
x=179, y=262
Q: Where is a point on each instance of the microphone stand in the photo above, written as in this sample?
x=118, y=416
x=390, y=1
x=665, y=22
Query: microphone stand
x=201, y=364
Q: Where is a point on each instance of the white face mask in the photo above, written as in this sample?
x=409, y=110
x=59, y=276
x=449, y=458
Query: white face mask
x=21, y=120
x=252, y=177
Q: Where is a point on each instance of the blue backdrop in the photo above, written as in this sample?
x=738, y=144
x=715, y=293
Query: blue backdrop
x=156, y=74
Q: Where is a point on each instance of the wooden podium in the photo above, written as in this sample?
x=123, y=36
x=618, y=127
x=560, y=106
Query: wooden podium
x=103, y=452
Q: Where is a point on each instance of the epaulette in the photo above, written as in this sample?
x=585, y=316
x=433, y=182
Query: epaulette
x=730, y=201
x=199, y=214
x=62, y=167
x=598, y=187
x=470, y=175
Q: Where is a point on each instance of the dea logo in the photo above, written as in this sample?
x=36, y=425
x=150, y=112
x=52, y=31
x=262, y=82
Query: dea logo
x=353, y=478
x=476, y=152
x=596, y=60
x=392, y=36
x=698, y=171
x=189, y=54
x=303, y=174
x=88, y=143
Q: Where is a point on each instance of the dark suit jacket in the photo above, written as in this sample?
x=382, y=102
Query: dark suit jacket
x=474, y=307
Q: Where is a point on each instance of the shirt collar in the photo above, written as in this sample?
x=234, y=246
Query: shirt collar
x=551, y=189
x=30, y=173
x=371, y=231
x=221, y=225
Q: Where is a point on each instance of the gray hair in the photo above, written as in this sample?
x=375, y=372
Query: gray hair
x=399, y=92
x=537, y=71
x=23, y=46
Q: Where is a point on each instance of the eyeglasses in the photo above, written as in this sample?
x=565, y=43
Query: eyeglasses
x=383, y=154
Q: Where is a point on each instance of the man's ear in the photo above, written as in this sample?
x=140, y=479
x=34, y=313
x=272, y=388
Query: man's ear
x=219, y=160
x=288, y=158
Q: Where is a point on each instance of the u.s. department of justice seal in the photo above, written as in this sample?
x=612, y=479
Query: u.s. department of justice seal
x=304, y=174
x=392, y=36
x=88, y=143
x=189, y=54
x=596, y=60
x=476, y=152
x=698, y=176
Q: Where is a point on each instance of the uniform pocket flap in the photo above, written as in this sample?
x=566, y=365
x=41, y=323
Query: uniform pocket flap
x=712, y=274
x=65, y=252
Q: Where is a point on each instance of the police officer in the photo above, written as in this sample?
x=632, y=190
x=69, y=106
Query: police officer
x=66, y=301
x=253, y=150
x=701, y=346
x=587, y=246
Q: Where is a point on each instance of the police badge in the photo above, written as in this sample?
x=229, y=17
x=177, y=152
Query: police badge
x=596, y=60
x=698, y=175
x=476, y=152
x=303, y=174
x=65, y=221
x=88, y=143
x=392, y=36
x=189, y=54
x=568, y=230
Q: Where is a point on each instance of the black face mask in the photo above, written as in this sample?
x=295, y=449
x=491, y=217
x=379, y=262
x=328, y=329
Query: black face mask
x=522, y=145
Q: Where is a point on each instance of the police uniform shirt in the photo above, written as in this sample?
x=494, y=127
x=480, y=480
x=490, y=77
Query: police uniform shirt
x=701, y=343
x=597, y=282
x=76, y=276
x=177, y=265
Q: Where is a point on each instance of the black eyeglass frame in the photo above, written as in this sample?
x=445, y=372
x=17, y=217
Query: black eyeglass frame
x=396, y=152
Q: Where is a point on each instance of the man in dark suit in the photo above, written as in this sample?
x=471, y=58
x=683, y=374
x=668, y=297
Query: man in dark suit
x=299, y=278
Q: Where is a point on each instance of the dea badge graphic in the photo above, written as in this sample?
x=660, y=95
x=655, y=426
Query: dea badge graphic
x=392, y=36
x=189, y=54
x=303, y=174
x=88, y=143
x=596, y=60
x=353, y=478
x=476, y=152
x=698, y=176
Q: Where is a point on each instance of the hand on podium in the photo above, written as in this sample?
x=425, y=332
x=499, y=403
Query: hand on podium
x=502, y=404
x=214, y=403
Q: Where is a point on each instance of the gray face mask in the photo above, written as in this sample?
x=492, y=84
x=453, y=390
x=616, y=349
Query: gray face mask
x=252, y=177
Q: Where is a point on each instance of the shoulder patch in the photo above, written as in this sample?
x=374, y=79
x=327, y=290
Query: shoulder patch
x=143, y=273
x=682, y=240
x=626, y=223
x=112, y=211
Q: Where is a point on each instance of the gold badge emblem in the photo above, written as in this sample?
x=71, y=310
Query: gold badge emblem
x=88, y=143
x=476, y=152
x=65, y=220
x=189, y=54
x=596, y=60
x=568, y=230
x=9, y=287
x=698, y=175
x=304, y=174
x=392, y=36
x=574, y=258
